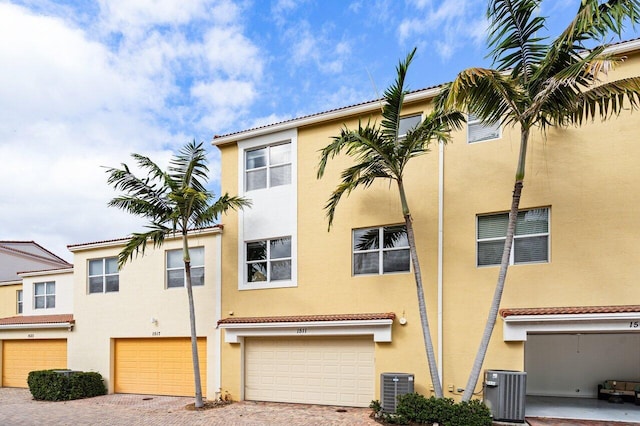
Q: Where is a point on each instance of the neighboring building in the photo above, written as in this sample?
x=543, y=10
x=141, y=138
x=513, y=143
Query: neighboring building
x=36, y=310
x=311, y=316
x=132, y=325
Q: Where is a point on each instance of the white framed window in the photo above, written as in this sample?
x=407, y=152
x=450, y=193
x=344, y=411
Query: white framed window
x=268, y=166
x=381, y=250
x=408, y=123
x=19, y=301
x=268, y=260
x=478, y=131
x=103, y=275
x=176, y=276
x=530, y=243
x=44, y=295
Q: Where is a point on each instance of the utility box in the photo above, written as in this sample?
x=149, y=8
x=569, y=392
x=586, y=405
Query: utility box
x=505, y=394
x=393, y=385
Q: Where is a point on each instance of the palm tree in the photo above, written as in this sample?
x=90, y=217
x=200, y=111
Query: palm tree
x=174, y=201
x=380, y=152
x=541, y=84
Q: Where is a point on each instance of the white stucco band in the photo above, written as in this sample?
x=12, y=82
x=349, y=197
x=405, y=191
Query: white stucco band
x=516, y=327
x=380, y=329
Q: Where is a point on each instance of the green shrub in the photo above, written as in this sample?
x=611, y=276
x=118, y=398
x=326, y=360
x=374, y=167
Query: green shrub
x=51, y=385
x=415, y=408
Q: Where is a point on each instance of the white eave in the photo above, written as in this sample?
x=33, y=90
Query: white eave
x=67, y=325
x=516, y=327
x=380, y=329
x=46, y=272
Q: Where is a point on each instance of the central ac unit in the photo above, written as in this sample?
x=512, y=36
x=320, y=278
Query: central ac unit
x=392, y=385
x=504, y=393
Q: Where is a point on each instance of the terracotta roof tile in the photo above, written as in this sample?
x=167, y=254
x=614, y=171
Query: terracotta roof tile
x=308, y=318
x=568, y=310
x=37, y=319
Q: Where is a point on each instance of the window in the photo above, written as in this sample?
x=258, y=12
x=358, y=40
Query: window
x=408, y=123
x=530, y=243
x=19, y=301
x=478, y=131
x=372, y=257
x=268, y=167
x=44, y=295
x=103, y=275
x=269, y=260
x=176, y=276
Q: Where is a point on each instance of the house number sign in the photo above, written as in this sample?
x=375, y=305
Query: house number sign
x=634, y=324
x=301, y=331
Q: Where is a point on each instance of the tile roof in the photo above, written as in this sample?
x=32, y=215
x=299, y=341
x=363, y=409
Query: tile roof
x=37, y=319
x=308, y=318
x=71, y=247
x=569, y=310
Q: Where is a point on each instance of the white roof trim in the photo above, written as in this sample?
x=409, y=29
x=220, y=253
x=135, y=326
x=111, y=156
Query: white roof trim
x=68, y=325
x=379, y=329
x=516, y=327
x=217, y=229
x=319, y=118
x=49, y=272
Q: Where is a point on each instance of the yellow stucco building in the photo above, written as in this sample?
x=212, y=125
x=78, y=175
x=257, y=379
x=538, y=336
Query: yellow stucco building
x=315, y=316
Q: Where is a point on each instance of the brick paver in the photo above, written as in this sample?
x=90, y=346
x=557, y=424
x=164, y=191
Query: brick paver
x=18, y=408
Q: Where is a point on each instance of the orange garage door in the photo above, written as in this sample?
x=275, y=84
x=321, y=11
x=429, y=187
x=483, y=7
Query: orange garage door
x=19, y=357
x=158, y=366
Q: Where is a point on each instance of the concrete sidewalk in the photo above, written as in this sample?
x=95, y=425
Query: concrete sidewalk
x=18, y=408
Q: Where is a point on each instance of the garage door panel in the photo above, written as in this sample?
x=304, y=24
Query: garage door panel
x=318, y=371
x=157, y=366
x=22, y=356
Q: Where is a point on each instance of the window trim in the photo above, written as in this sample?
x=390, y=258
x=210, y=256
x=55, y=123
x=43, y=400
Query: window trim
x=268, y=167
x=380, y=250
x=268, y=260
x=104, y=275
x=474, y=121
x=515, y=237
x=19, y=302
x=44, y=295
x=184, y=272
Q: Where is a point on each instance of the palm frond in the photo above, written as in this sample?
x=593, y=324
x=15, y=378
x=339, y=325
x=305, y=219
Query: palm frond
x=394, y=100
x=137, y=244
x=512, y=36
x=225, y=203
x=486, y=93
x=606, y=100
x=361, y=174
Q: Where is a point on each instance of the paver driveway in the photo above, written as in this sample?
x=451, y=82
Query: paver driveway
x=18, y=408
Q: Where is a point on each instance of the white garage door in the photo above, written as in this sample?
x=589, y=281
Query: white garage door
x=332, y=371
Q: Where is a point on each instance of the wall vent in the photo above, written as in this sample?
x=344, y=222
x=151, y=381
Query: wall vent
x=393, y=385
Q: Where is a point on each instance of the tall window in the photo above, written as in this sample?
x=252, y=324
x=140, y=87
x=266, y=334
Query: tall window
x=176, y=276
x=103, y=275
x=381, y=250
x=479, y=131
x=44, y=295
x=19, y=301
x=408, y=123
x=268, y=167
x=530, y=244
x=269, y=260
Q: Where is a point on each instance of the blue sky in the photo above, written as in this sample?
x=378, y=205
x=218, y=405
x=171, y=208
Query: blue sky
x=83, y=84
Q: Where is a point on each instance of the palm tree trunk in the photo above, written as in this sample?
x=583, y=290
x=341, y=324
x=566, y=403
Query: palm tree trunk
x=476, y=369
x=192, y=320
x=424, y=320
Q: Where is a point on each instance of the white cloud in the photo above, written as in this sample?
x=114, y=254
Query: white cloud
x=74, y=100
x=447, y=25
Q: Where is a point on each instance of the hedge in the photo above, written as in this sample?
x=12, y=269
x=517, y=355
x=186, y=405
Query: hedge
x=65, y=385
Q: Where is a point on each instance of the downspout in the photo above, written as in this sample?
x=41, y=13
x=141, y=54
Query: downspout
x=440, y=250
x=217, y=315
